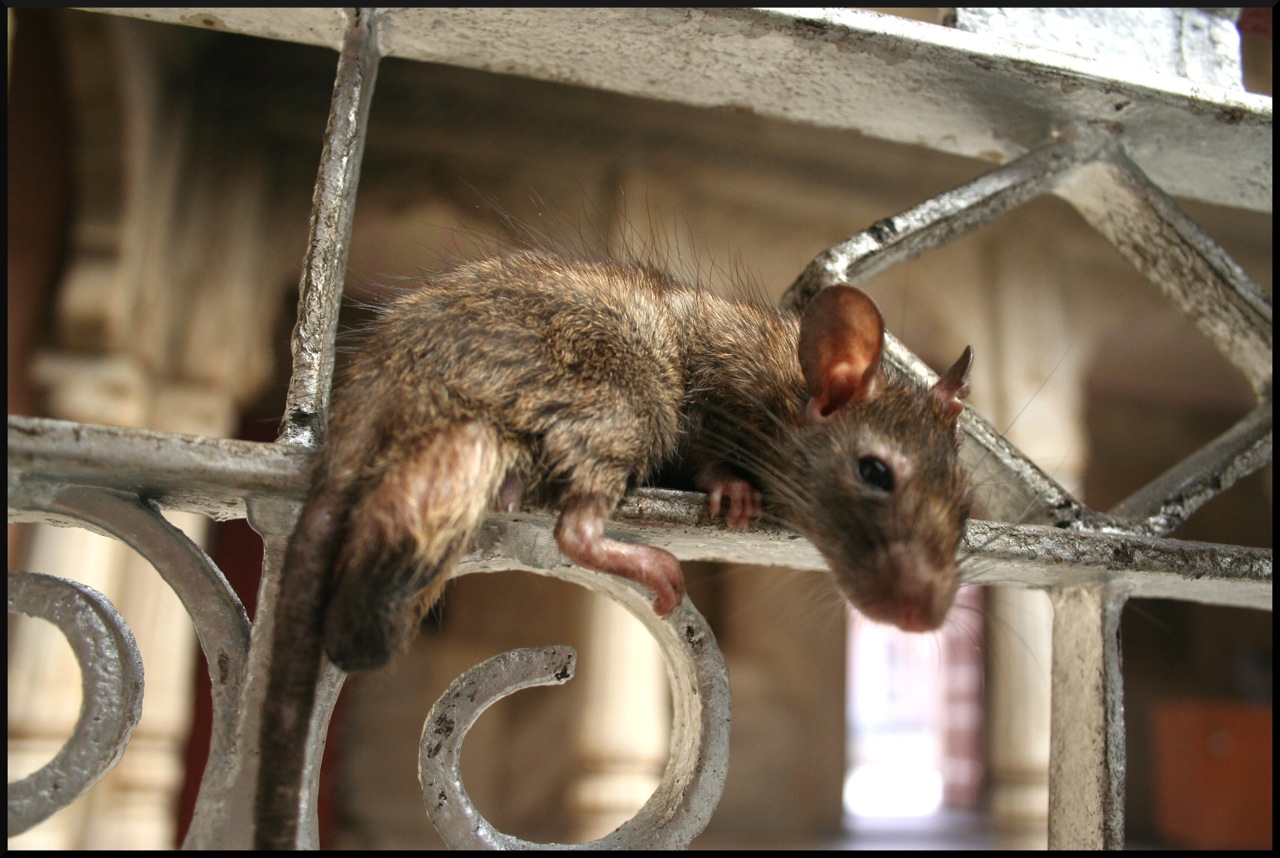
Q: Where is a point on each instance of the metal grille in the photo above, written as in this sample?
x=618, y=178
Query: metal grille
x=1115, y=144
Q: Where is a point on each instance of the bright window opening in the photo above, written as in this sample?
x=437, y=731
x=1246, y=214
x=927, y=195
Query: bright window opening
x=894, y=725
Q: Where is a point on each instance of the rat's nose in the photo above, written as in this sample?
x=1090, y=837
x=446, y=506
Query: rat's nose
x=918, y=611
x=912, y=619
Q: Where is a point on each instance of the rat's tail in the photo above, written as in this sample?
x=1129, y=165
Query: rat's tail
x=403, y=537
x=378, y=560
x=291, y=683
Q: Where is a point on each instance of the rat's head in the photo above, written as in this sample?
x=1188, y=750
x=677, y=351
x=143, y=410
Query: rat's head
x=887, y=500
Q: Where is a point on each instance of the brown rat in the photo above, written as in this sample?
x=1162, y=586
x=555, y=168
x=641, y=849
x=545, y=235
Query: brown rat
x=570, y=381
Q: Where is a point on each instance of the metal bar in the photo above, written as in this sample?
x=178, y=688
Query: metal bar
x=1171, y=251
x=1026, y=555
x=1167, y=501
x=307, y=407
x=1086, y=744
x=942, y=219
x=188, y=473
x=1145, y=566
x=1009, y=485
x=274, y=518
x=971, y=94
x=332, y=212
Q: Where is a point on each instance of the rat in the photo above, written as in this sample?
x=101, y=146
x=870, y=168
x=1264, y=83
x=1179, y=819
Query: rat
x=565, y=381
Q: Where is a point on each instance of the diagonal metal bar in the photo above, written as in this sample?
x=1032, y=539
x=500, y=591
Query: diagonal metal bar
x=1173, y=252
x=332, y=212
x=942, y=219
x=1167, y=501
x=1014, y=487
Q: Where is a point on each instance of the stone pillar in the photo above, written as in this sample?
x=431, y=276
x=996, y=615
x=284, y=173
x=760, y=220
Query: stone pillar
x=1033, y=390
x=164, y=320
x=625, y=722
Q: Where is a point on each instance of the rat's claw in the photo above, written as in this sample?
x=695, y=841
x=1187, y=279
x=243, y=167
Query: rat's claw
x=714, y=496
x=667, y=598
x=744, y=500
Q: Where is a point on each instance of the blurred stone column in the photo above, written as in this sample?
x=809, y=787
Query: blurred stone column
x=625, y=723
x=164, y=320
x=1034, y=393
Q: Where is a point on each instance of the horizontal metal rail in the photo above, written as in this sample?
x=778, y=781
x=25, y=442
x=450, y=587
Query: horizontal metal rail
x=969, y=94
x=45, y=455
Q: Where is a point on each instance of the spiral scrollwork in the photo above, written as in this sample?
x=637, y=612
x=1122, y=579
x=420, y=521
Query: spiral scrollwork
x=111, y=703
x=220, y=621
x=694, y=777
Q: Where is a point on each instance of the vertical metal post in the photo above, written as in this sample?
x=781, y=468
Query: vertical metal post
x=332, y=211
x=306, y=412
x=1086, y=726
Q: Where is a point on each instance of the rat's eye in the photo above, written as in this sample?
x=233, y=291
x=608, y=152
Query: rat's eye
x=876, y=473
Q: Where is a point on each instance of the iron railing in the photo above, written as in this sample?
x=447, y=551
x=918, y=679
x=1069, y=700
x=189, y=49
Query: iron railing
x=1115, y=142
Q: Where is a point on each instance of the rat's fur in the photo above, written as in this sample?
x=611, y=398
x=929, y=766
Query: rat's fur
x=572, y=380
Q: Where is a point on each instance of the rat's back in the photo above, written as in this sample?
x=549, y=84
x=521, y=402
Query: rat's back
x=532, y=371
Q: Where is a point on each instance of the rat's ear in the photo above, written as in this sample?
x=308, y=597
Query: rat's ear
x=841, y=341
x=953, y=387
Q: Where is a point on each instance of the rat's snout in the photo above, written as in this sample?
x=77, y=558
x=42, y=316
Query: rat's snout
x=919, y=617
x=901, y=585
x=917, y=606
x=923, y=604
x=922, y=593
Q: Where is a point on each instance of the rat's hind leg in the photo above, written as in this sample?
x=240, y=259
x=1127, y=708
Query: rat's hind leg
x=580, y=535
x=590, y=456
x=403, y=537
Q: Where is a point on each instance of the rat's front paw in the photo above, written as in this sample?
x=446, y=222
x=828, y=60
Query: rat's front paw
x=744, y=499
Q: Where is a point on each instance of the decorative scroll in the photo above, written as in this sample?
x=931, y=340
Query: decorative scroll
x=111, y=683
x=694, y=778
x=220, y=621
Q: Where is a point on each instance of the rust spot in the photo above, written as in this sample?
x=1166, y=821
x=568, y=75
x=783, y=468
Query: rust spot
x=210, y=21
x=883, y=230
x=1121, y=557
x=814, y=26
x=1231, y=116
